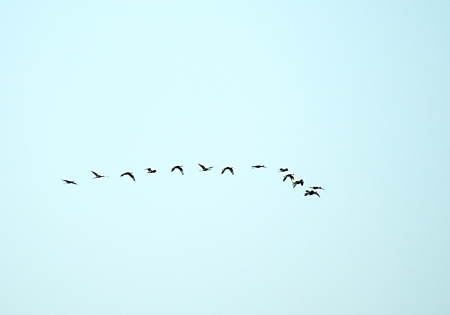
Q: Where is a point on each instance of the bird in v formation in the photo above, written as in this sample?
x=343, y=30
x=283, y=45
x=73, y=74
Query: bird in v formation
x=205, y=169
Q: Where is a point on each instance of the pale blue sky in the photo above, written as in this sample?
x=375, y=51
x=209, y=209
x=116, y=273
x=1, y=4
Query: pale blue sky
x=349, y=95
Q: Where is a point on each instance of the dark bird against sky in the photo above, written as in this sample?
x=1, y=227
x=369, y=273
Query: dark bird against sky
x=291, y=176
x=97, y=175
x=228, y=168
x=204, y=168
x=295, y=183
x=129, y=174
x=258, y=166
x=178, y=167
x=66, y=181
x=311, y=193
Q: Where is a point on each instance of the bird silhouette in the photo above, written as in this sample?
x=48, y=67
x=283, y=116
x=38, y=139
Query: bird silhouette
x=228, y=168
x=300, y=181
x=258, y=166
x=283, y=170
x=317, y=187
x=97, y=175
x=204, y=168
x=129, y=174
x=150, y=171
x=291, y=176
x=66, y=181
x=311, y=193
x=178, y=167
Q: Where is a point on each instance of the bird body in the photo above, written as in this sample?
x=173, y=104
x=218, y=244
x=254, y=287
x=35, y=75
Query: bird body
x=259, y=166
x=97, y=175
x=129, y=174
x=178, y=167
x=283, y=170
x=291, y=176
x=150, y=171
x=311, y=193
x=295, y=183
x=228, y=168
x=316, y=187
x=66, y=181
x=204, y=168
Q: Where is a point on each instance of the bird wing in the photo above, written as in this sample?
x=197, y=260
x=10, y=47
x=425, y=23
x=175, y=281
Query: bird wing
x=95, y=173
x=132, y=176
x=202, y=166
x=232, y=171
x=223, y=170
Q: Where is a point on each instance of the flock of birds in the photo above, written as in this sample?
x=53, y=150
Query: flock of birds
x=311, y=192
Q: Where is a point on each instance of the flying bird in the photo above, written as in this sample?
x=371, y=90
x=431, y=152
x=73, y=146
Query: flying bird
x=150, y=171
x=129, y=174
x=258, y=166
x=204, y=168
x=317, y=187
x=97, y=175
x=228, y=168
x=283, y=170
x=300, y=181
x=178, y=167
x=291, y=176
x=69, y=181
x=311, y=193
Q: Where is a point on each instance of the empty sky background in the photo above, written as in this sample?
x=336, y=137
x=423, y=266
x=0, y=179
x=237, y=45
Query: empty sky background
x=350, y=95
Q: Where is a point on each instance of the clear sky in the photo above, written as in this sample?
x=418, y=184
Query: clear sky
x=350, y=95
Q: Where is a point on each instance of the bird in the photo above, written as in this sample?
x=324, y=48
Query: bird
x=178, y=167
x=258, y=166
x=291, y=176
x=300, y=181
x=69, y=181
x=150, y=171
x=317, y=187
x=129, y=174
x=228, y=168
x=97, y=175
x=283, y=170
x=311, y=192
x=204, y=168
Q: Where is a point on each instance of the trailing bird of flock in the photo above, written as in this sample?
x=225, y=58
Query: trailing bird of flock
x=313, y=189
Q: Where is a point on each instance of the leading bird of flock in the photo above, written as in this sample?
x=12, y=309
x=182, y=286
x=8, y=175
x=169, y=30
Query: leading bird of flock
x=258, y=166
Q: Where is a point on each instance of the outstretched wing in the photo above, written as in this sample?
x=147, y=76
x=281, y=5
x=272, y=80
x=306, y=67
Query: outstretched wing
x=96, y=174
x=202, y=166
x=132, y=176
x=231, y=170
